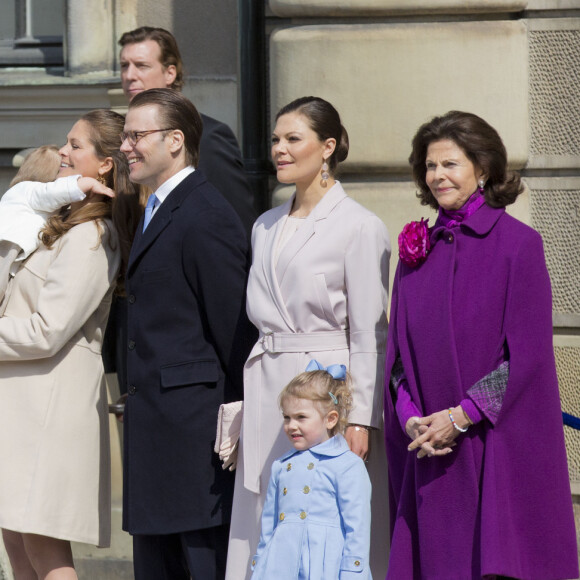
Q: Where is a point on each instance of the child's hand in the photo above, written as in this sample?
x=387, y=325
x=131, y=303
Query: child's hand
x=92, y=186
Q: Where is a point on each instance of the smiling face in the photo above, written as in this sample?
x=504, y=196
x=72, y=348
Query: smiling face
x=156, y=156
x=78, y=155
x=305, y=424
x=450, y=175
x=297, y=152
x=141, y=68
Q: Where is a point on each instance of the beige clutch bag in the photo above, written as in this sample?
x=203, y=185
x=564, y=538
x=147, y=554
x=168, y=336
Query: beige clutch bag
x=229, y=425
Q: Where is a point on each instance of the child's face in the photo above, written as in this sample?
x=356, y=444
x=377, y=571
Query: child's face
x=304, y=424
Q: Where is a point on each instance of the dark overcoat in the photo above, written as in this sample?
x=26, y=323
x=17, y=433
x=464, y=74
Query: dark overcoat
x=188, y=337
x=221, y=161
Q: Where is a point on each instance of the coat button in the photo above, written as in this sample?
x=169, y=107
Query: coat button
x=131, y=298
x=450, y=238
x=285, y=491
x=302, y=515
x=131, y=345
x=357, y=563
x=289, y=467
x=131, y=389
x=306, y=489
x=282, y=516
x=253, y=562
x=310, y=466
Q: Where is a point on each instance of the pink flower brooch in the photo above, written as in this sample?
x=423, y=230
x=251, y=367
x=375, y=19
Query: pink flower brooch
x=414, y=243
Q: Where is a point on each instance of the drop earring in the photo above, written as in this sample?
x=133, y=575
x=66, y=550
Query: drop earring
x=481, y=184
x=102, y=179
x=324, y=174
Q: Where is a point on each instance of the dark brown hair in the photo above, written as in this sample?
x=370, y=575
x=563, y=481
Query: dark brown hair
x=105, y=129
x=481, y=144
x=175, y=112
x=170, y=54
x=324, y=120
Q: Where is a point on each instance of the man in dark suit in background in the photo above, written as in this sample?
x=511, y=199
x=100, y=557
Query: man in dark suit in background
x=150, y=59
x=188, y=337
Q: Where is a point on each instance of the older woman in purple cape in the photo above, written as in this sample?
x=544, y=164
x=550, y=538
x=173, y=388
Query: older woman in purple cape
x=478, y=476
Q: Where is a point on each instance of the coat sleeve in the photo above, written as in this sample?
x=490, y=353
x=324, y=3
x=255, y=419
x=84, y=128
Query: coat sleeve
x=269, y=514
x=367, y=280
x=80, y=274
x=215, y=262
x=354, y=502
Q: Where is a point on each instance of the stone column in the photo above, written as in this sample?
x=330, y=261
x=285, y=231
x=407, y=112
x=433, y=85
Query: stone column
x=89, y=42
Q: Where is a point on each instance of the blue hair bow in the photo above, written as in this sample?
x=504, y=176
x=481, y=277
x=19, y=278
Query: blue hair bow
x=337, y=372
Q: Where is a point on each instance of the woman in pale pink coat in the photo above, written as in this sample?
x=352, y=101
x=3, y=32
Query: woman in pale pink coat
x=317, y=289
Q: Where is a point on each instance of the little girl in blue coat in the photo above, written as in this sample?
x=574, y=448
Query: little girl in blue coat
x=316, y=519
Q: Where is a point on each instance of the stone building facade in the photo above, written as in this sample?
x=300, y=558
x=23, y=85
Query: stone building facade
x=388, y=66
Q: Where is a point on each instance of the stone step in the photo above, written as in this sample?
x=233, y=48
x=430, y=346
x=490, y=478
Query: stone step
x=114, y=563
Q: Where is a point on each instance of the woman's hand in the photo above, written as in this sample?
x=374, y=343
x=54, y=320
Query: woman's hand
x=92, y=186
x=435, y=435
x=358, y=440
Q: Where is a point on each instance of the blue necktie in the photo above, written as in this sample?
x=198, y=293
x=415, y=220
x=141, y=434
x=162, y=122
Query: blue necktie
x=149, y=210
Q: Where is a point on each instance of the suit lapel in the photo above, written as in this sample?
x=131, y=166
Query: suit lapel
x=308, y=229
x=162, y=217
x=269, y=257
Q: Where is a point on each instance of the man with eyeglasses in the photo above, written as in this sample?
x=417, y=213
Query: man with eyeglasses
x=188, y=337
x=150, y=59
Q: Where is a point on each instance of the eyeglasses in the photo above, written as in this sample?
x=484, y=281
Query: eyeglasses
x=135, y=136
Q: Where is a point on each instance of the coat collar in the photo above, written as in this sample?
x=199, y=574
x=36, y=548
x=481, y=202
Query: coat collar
x=332, y=447
x=320, y=212
x=274, y=222
x=163, y=216
x=480, y=223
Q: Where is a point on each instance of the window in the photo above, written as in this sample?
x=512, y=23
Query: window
x=31, y=32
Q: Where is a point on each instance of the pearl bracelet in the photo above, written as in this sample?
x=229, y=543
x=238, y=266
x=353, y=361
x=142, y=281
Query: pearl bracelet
x=453, y=421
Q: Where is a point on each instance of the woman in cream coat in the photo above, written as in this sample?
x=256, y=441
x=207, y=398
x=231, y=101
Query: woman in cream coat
x=317, y=290
x=54, y=439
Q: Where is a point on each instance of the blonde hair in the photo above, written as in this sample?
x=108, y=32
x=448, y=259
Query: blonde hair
x=317, y=386
x=41, y=164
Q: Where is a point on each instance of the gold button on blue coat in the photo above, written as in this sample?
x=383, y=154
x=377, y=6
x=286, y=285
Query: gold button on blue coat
x=356, y=563
x=282, y=516
x=285, y=491
x=306, y=489
x=310, y=466
x=302, y=515
x=289, y=467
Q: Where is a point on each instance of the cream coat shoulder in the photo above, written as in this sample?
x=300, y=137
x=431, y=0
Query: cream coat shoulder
x=54, y=438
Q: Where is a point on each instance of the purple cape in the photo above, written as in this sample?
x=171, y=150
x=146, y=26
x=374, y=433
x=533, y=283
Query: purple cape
x=501, y=502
